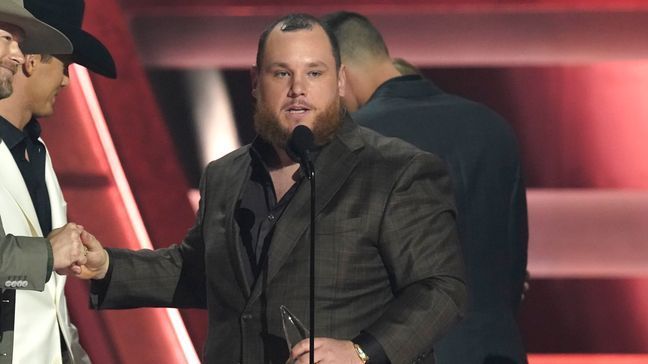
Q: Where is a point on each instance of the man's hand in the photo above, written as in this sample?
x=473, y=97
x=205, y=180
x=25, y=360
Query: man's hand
x=97, y=261
x=327, y=351
x=67, y=248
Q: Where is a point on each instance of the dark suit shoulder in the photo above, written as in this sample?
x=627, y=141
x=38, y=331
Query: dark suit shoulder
x=468, y=113
x=240, y=155
x=437, y=111
x=440, y=123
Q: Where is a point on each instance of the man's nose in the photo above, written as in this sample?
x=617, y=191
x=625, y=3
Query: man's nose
x=15, y=54
x=297, y=87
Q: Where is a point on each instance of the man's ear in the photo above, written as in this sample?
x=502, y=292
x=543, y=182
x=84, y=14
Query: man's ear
x=31, y=63
x=254, y=77
x=342, y=80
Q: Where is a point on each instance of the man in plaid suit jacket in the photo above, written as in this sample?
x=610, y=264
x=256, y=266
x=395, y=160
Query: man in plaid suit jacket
x=388, y=264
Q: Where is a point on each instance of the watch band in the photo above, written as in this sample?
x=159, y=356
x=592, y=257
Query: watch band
x=361, y=354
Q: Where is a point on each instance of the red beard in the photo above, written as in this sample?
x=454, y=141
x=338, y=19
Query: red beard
x=267, y=125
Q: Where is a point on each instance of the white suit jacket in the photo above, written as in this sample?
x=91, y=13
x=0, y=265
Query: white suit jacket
x=40, y=309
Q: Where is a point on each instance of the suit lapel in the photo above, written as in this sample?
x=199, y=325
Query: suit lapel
x=14, y=183
x=332, y=167
x=58, y=209
x=59, y=218
x=240, y=172
x=57, y=201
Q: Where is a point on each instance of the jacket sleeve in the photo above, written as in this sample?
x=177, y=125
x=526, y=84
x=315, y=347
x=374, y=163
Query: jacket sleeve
x=25, y=262
x=420, y=248
x=166, y=277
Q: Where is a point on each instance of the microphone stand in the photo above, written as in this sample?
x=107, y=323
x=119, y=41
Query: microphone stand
x=310, y=174
x=300, y=144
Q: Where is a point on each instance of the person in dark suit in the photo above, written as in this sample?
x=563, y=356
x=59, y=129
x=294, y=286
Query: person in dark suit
x=388, y=264
x=482, y=156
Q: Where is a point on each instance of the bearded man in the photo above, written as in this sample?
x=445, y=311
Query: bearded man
x=388, y=265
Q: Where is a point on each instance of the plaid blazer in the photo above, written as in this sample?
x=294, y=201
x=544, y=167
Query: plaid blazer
x=388, y=260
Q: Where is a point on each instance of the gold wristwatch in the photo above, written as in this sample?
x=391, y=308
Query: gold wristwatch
x=361, y=354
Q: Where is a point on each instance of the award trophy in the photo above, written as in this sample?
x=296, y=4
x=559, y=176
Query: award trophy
x=294, y=330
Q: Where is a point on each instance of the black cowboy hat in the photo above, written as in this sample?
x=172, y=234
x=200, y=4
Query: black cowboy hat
x=39, y=37
x=67, y=16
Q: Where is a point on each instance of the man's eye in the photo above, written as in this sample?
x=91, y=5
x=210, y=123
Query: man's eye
x=315, y=73
x=281, y=74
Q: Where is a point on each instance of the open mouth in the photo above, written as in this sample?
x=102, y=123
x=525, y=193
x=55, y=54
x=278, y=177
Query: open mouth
x=297, y=110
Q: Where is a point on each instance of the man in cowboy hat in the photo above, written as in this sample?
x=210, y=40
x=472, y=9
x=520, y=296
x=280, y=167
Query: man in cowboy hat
x=35, y=322
x=17, y=25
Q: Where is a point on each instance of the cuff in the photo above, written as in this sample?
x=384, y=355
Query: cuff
x=98, y=287
x=372, y=348
x=50, y=261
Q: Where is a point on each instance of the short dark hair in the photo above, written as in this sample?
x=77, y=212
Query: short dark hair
x=355, y=34
x=294, y=22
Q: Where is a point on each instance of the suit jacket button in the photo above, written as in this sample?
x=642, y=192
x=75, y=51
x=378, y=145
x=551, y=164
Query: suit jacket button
x=246, y=316
x=7, y=283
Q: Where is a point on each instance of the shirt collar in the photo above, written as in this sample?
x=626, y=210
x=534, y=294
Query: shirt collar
x=33, y=130
x=11, y=135
x=262, y=152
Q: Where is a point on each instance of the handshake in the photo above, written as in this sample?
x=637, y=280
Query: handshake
x=77, y=252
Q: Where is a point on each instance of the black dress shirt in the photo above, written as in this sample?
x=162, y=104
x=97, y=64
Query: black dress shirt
x=258, y=211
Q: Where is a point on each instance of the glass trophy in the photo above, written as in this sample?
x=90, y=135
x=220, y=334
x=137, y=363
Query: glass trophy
x=294, y=330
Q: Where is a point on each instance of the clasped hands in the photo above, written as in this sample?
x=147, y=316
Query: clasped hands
x=77, y=252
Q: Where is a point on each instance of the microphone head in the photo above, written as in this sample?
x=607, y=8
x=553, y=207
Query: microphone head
x=301, y=142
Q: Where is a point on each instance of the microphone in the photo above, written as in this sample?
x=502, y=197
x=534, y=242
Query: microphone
x=300, y=145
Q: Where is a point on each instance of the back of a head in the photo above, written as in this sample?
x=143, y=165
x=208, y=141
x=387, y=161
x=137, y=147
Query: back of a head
x=358, y=39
